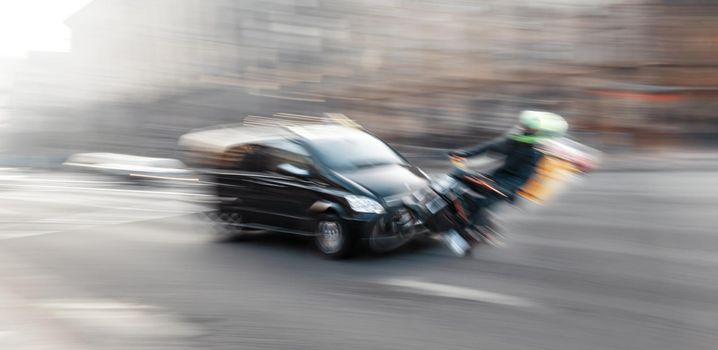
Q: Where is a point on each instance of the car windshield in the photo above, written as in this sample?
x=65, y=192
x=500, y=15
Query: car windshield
x=355, y=151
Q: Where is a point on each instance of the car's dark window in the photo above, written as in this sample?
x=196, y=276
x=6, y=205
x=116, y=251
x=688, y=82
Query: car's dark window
x=245, y=158
x=285, y=151
x=355, y=151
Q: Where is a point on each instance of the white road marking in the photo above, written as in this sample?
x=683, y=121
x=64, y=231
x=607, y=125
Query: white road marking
x=120, y=203
x=26, y=234
x=68, y=181
x=18, y=233
x=455, y=292
x=94, y=305
x=116, y=190
x=4, y=211
x=166, y=178
x=117, y=206
x=6, y=334
x=25, y=326
x=12, y=177
x=117, y=319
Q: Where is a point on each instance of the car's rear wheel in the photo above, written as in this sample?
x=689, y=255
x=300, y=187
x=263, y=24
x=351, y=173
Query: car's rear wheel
x=332, y=237
x=226, y=227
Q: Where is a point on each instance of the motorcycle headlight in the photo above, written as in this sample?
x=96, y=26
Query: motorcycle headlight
x=361, y=204
x=424, y=195
x=443, y=183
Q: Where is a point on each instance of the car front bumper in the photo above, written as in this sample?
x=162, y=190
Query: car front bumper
x=388, y=231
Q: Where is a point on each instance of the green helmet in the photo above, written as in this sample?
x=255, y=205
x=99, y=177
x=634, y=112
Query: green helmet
x=538, y=126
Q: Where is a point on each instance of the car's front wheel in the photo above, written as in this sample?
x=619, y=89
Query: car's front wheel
x=332, y=237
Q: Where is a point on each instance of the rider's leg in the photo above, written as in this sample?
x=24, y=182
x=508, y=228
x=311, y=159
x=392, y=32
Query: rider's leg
x=480, y=217
x=482, y=227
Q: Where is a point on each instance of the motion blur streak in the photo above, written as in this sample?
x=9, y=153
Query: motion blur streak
x=109, y=229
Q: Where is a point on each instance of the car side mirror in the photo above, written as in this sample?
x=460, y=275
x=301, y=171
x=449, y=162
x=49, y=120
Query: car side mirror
x=292, y=170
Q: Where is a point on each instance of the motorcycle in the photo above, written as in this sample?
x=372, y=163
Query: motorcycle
x=449, y=205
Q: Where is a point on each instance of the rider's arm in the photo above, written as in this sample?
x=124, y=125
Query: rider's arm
x=499, y=145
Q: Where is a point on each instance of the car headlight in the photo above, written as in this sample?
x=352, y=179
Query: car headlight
x=361, y=204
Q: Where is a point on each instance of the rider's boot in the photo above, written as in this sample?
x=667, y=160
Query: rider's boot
x=458, y=245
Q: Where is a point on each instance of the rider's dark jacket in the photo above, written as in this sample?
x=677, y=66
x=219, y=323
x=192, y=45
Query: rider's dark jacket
x=518, y=166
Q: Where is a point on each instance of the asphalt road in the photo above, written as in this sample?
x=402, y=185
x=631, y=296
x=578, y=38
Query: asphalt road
x=625, y=260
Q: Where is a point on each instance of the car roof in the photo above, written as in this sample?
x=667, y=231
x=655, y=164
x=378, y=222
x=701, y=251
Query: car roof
x=325, y=131
x=223, y=138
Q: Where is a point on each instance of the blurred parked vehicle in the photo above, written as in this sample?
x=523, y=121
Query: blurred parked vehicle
x=130, y=167
x=339, y=185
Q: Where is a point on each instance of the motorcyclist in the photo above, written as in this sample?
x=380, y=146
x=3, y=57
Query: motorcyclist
x=521, y=158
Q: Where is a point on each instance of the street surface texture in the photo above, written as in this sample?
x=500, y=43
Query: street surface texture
x=623, y=260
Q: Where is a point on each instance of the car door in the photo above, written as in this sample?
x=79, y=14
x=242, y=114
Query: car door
x=291, y=191
x=240, y=184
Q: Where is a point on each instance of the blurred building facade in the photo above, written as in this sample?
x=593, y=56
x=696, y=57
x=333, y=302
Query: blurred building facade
x=431, y=72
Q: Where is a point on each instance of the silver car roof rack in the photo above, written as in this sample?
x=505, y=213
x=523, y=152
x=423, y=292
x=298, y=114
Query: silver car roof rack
x=293, y=120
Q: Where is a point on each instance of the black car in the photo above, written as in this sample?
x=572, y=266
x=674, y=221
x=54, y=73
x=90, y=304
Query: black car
x=337, y=184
